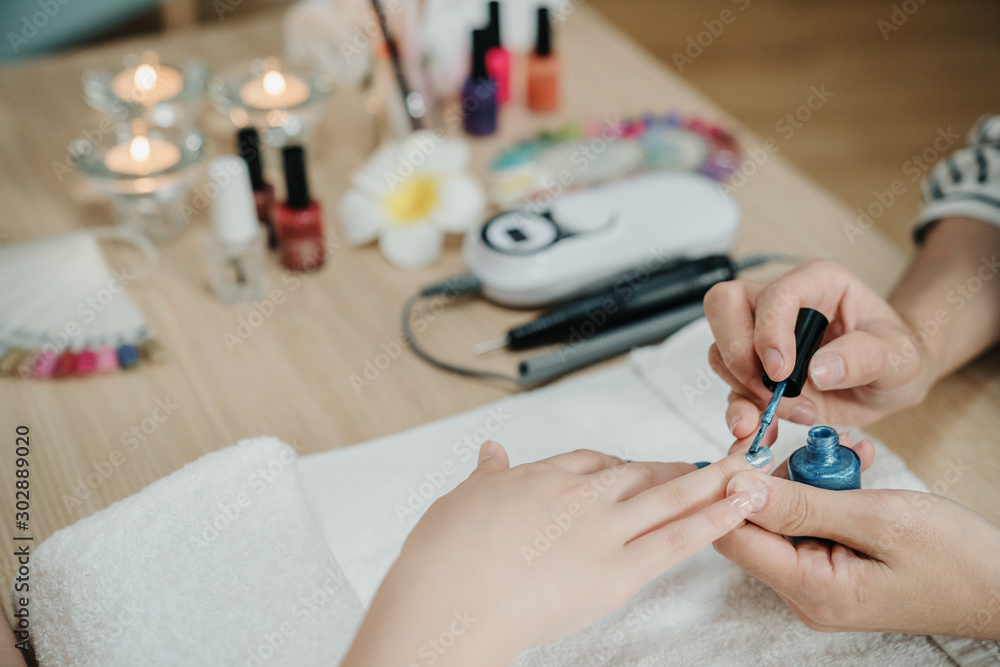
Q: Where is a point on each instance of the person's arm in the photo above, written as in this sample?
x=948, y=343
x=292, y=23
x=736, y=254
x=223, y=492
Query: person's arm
x=516, y=557
x=878, y=356
x=950, y=295
x=900, y=561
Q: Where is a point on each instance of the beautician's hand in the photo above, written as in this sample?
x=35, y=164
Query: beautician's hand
x=867, y=367
x=516, y=557
x=901, y=561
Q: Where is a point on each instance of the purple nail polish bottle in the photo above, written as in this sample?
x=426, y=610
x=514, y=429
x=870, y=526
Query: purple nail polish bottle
x=479, y=93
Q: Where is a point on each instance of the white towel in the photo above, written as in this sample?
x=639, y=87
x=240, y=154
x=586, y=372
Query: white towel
x=663, y=404
x=172, y=576
x=219, y=563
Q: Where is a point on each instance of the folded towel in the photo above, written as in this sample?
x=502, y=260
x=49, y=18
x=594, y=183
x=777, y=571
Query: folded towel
x=219, y=563
x=224, y=562
x=664, y=404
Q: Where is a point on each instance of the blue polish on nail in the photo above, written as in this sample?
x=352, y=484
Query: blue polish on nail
x=701, y=464
x=760, y=458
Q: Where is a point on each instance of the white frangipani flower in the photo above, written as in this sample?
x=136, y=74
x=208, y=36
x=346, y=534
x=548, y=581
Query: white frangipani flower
x=409, y=194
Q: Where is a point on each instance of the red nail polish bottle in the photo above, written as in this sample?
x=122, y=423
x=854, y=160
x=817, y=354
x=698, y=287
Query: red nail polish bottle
x=248, y=143
x=298, y=219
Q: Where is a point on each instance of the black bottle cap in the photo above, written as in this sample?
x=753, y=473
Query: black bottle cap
x=296, y=186
x=480, y=45
x=810, y=327
x=543, y=44
x=494, y=26
x=248, y=144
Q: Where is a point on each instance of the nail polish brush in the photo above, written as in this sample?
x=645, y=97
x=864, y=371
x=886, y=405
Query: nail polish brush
x=810, y=327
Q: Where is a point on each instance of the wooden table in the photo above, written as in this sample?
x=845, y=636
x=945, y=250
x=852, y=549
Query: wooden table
x=291, y=377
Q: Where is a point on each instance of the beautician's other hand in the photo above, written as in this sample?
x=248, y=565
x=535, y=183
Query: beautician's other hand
x=900, y=561
x=516, y=557
x=867, y=367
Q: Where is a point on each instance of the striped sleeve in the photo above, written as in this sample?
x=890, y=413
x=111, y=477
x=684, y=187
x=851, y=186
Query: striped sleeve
x=966, y=183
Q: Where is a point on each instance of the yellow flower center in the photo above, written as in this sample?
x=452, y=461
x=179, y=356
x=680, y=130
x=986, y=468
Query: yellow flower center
x=413, y=200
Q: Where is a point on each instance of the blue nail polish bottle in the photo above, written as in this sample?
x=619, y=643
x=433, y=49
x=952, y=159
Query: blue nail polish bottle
x=825, y=463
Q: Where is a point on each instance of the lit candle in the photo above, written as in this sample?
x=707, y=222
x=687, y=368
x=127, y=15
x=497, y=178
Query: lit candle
x=142, y=155
x=274, y=90
x=149, y=83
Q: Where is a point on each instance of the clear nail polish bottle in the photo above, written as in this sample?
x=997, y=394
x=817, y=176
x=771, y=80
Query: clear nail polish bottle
x=236, y=244
x=824, y=462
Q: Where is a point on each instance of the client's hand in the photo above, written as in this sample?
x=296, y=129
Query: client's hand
x=516, y=557
x=901, y=561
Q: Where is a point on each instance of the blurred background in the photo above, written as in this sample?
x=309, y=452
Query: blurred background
x=898, y=75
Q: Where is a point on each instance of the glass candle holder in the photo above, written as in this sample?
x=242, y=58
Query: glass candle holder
x=148, y=90
x=283, y=103
x=146, y=174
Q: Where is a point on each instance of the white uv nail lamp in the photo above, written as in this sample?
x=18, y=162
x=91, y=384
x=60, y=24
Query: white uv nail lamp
x=585, y=239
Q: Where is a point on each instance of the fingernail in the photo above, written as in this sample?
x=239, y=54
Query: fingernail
x=487, y=451
x=701, y=464
x=740, y=503
x=755, y=489
x=773, y=362
x=803, y=414
x=733, y=423
x=827, y=370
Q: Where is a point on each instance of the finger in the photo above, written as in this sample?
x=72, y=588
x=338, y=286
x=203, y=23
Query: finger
x=680, y=497
x=728, y=307
x=742, y=415
x=855, y=359
x=767, y=556
x=583, y=461
x=854, y=518
x=745, y=407
x=737, y=389
x=866, y=452
x=814, y=283
x=657, y=551
x=718, y=365
x=492, y=458
x=796, y=572
x=629, y=479
x=806, y=619
x=742, y=445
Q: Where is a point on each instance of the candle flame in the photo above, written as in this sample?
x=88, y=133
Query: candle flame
x=145, y=77
x=138, y=150
x=274, y=83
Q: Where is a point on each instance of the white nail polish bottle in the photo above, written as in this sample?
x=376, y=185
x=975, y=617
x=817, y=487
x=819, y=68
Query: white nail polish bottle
x=236, y=245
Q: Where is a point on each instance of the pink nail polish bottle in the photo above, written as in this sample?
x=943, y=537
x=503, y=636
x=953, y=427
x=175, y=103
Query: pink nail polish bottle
x=107, y=360
x=86, y=362
x=497, y=57
x=45, y=364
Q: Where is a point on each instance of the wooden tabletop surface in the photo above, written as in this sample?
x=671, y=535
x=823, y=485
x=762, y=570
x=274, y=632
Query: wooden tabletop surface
x=292, y=377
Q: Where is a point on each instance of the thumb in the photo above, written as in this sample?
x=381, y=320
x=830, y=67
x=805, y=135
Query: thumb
x=492, y=458
x=799, y=510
